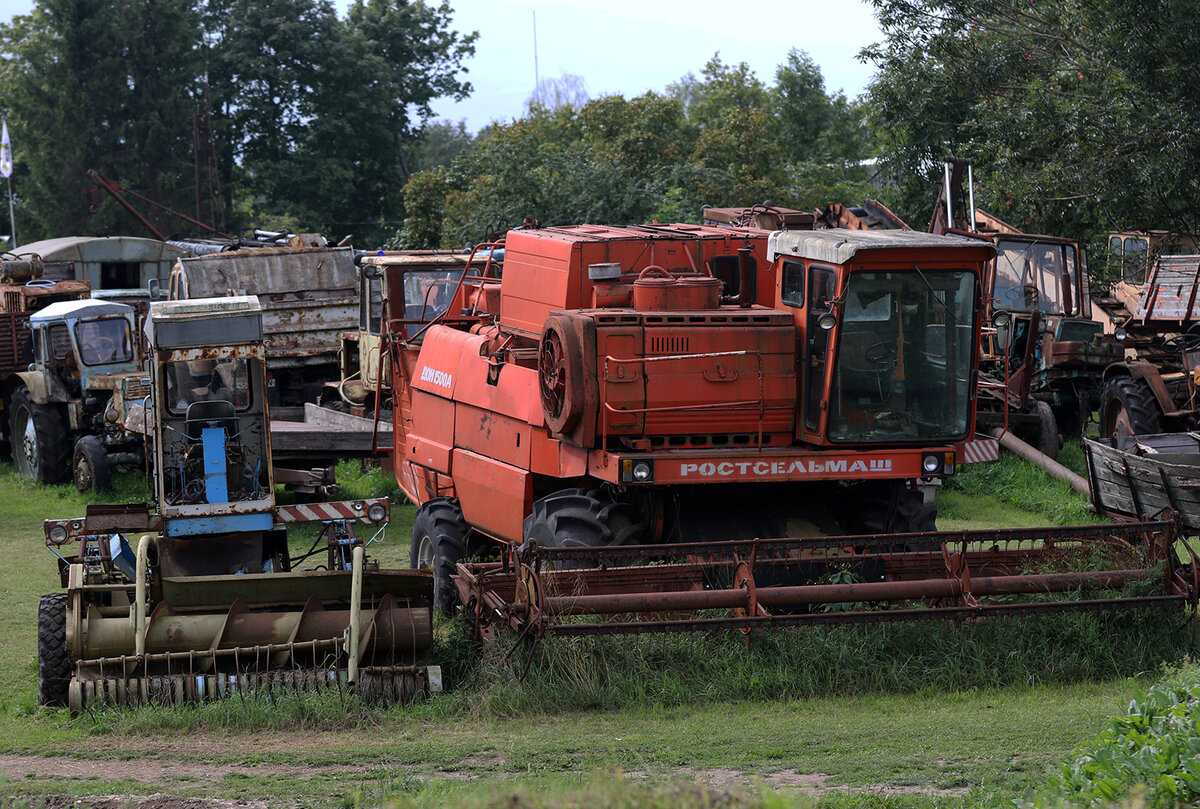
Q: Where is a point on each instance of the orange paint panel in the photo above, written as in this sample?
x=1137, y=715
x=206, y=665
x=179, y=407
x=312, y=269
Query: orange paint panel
x=549, y=456
x=442, y=349
x=514, y=395
x=495, y=497
x=492, y=434
x=432, y=447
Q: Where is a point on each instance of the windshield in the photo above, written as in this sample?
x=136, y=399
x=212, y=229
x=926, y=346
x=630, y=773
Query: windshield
x=427, y=293
x=104, y=341
x=1029, y=275
x=903, y=369
x=207, y=381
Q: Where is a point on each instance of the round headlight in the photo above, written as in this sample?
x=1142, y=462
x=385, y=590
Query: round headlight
x=377, y=512
x=641, y=471
x=1001, y=319
x=58, y=534
x=111, y=415
x=827, y=321
x=1120, y=333
x=931, y=463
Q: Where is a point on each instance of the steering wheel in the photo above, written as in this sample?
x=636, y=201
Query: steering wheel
x=101, y=349
x=882, y=353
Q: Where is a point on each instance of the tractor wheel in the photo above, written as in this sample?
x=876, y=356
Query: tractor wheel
x=93, y=470
x=1047, y=436
x=39, y=439
x=578, y=518
x=439, y=541
x=887, y=508
x=1128, y=407
x=54, y=664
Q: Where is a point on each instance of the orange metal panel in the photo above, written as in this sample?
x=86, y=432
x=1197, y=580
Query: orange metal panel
x=549, y=456
x=432, y=447
x=495, y=497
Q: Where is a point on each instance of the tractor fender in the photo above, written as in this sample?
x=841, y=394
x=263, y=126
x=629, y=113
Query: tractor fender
x=1146, y=372
x=43, y=388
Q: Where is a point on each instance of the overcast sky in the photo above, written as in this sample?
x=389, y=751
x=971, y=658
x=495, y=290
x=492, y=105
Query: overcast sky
x=627, y=47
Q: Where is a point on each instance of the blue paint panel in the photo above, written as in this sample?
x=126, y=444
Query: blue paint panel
x=216, y=487
x=229, y=523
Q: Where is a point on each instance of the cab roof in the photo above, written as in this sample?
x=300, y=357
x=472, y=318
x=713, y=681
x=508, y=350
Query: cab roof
x=84, y=308
x=838, y=245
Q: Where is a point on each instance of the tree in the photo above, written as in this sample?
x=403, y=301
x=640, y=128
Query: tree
x=1080, y=116
x=800, y=104
x=106, y=85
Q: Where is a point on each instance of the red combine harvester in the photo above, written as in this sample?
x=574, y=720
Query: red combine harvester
x=650, y=421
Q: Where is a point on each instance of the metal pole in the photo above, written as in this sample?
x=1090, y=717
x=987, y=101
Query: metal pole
x=971, y=196
x=12, y=218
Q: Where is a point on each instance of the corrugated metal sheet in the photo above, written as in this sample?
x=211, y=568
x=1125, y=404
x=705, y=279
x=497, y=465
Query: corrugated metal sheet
x=1171, y=292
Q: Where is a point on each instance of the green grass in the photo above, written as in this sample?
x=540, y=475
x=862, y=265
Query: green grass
x=878, y=712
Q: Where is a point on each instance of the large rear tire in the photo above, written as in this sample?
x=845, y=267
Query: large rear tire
x=40, y=444
x=1048, y=442
x=91, y=467
x=54, y=663
x=579, y=518
x=439, y=541
x=1127, y=406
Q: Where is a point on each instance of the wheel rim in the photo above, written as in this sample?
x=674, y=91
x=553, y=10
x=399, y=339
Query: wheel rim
x=425, y=552
x=83, y=473
x=28, y=437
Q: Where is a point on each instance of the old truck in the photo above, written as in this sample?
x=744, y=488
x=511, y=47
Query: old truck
x=309, y=297
x=650, y=421
x=199, y=596
x=1042, y=369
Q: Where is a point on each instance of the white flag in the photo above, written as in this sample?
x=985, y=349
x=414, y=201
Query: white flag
x=5, y=153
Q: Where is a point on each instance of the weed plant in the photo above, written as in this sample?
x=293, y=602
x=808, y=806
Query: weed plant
x=1149, y=757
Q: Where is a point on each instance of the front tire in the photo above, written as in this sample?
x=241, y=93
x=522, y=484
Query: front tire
x=91, y=466
x=578, y=518
x=439, y=541
x=54, y=663
x=40, y=445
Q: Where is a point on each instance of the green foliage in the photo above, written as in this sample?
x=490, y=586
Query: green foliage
x=1078, y=115
x=1150, y=755
x=86, y=85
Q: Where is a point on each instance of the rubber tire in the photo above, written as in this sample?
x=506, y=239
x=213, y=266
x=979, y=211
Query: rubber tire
x=440, y=527
x=51, y=442
x=91, y=467
x=54, y=662
x=1048, y=442
x=579, y=518
x=1134, y=398
x=887, y=508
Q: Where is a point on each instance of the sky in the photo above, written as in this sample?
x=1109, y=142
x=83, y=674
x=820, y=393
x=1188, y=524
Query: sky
x=627, y=47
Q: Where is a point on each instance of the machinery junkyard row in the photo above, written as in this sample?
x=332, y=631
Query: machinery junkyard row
x=605, y=430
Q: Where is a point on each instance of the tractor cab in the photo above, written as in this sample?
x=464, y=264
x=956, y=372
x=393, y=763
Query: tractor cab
x=210, y=432
x=889, y=323
x=78, y=341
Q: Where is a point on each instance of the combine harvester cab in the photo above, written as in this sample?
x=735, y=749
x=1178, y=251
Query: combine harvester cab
x=660, y=421
x=200, y=597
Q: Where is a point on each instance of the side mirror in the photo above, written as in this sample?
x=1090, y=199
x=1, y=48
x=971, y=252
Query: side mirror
x=827, y=320
x=1002, y=322
x=154, y=287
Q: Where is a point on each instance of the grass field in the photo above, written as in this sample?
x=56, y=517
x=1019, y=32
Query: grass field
x=908, y=717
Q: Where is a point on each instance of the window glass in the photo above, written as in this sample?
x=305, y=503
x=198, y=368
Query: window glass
x=206, y=380
x=793, y=283
x=1029, y=275
x=904, y=357
x=104, y=341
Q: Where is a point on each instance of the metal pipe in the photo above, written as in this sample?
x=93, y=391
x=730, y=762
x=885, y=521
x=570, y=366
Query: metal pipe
x=743, y=296
x=949, y=206
x=971, y=196
x=610, y=603
x=355, y=611
x=1043, y=461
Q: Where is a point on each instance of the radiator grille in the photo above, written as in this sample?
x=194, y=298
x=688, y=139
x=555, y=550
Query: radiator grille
x=668, y=345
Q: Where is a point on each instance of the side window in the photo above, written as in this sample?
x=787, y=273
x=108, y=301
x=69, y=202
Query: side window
x=793, y=283
x=60, y=341
x=821, y=289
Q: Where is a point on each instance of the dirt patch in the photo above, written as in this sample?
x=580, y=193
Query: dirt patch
x=156, y=801
x=151, y=770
